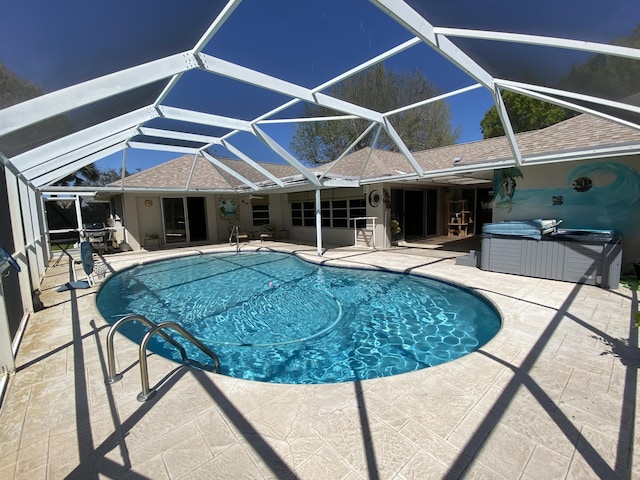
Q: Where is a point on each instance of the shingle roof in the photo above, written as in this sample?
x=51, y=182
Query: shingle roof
x=177, y=174
x=577, y=133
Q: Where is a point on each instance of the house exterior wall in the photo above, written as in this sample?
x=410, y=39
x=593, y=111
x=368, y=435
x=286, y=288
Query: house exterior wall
x=142, y=218
x=143, y=215
x=212, y=219
x=149, y=216
x=595, y=194
x=382, y=214
x=132, y=230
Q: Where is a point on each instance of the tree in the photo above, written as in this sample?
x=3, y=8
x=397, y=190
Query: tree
x=525, y=114
x=109, y=175
x=92, y=176
x=87, y=175
x=14, y=90
x=607, y=76
x=381, y=90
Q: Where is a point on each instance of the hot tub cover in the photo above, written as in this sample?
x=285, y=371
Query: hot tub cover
x=523, y=228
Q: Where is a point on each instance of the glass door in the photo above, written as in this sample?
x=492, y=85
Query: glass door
x=175, y=225
x=197, y=215
x=413, y=214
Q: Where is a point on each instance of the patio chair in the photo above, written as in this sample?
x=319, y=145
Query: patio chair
x=89, y=266
x=237, y=232
x=267, y=232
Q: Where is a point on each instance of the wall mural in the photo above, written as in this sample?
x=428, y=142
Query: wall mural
x=228, y=208
x=600, y=195
x=505, y=186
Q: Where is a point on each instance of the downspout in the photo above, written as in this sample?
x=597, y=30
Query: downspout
x=318, y=223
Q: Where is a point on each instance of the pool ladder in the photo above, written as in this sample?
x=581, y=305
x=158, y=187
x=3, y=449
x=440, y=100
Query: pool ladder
x=154, y=328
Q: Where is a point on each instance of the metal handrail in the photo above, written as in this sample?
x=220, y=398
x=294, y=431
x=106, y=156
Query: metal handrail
x=234, y=229
x=146, y=392
x=111, y=360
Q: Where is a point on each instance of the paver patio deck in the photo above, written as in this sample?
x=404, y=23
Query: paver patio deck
x=554, y=395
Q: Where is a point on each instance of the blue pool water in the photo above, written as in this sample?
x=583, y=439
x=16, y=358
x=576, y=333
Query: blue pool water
x=273, y=317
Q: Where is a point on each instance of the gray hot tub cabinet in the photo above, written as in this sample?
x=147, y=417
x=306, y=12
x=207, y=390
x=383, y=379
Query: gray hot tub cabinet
x=589, y=257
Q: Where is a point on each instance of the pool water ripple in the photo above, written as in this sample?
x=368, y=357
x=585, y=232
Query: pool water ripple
x=273, y=317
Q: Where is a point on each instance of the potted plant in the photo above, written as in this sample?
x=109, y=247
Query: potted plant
x=395, y=230
x=152, y=237
x=636, y=268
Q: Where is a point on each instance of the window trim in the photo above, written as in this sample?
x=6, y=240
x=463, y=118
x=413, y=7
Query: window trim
x=303, y=213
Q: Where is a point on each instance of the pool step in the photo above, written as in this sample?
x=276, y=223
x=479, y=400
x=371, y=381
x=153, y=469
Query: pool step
x=469, y=260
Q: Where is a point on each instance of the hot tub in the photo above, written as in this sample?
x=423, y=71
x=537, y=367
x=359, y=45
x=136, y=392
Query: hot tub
x=592, y=257
x=580, y=235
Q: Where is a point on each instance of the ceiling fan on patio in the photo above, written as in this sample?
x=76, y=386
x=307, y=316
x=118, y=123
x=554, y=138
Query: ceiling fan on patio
x=247, y=198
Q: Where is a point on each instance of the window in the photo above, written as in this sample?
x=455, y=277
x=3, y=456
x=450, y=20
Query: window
x=358, y=208
x=309, y=214
x=326, y=213
x=260, y=214
x=339, y=213
x=303, y=214
x=335, y=213
x=296, y=213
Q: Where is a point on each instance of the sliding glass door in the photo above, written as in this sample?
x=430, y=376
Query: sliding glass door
x=175, y=225
x=185, y=220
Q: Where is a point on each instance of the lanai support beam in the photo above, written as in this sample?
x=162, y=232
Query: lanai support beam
x=318, y=223
x=54, y=103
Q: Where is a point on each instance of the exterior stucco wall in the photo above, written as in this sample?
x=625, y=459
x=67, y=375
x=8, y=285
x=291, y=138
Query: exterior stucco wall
x=149, y=216
x=596, y=194
x=142, y=219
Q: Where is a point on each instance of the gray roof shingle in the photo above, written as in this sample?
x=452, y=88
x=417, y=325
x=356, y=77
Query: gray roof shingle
x=577, y=133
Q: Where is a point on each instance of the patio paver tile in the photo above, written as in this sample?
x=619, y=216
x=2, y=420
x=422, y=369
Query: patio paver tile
x=545, y=396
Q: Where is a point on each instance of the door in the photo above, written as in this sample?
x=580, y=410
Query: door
x=432, y=212
x=197, y=216
x=185, y=220
x=484, y=208
x=397, y=213
x=414, y=214
x=175, y=225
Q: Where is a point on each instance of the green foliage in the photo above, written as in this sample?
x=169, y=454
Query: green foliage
x=87, y=175
x=381, y=90
x=525, y=114
x=14, y=90
x=608, y=76
x=91, y=176
x=109, y=175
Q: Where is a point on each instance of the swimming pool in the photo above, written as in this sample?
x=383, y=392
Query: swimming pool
x=273, y=317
